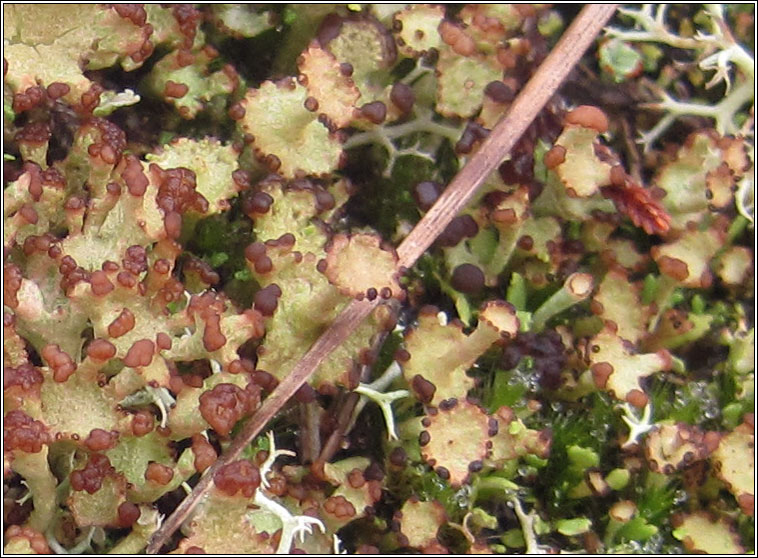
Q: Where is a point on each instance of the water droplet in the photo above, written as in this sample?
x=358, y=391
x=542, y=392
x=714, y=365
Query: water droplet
x=680, y=497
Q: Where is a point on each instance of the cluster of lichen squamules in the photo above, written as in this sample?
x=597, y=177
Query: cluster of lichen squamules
x=192, y=195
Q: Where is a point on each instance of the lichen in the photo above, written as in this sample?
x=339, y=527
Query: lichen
x=193, y=194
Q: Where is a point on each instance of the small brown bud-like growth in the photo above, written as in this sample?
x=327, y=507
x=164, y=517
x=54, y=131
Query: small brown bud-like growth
x=60, y=362
x=140, y=354
x=238, y=476
x=123, y=324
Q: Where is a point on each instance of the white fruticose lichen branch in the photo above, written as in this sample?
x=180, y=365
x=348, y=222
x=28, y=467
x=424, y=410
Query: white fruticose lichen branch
x=292, y=525
x=653, y=28
x=527, y=528
x=723, y=112
x=745, y=197
x=272, y=455
x=384, y=400
x=422, y=123
x=159, y=396
x=215, y=365
x=337, y=545
x=637, y=425
x=79, y=548
x=419, y=71
x=26, y=496
x=718, y=51
x=386, y=135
